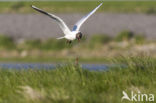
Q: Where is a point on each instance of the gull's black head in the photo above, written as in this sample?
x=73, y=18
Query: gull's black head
x=79, y=35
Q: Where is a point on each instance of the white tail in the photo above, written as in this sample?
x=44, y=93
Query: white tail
x=60, y=38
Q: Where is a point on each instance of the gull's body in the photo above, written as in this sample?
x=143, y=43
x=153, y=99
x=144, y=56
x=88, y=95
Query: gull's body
x=75, y=33
x=71, y=36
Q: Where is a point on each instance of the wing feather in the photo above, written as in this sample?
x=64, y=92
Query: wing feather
x=81, y=21
x=61, y=23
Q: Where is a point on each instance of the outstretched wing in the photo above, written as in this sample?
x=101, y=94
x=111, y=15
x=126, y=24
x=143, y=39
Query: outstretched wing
x=80, y=22
x=61, y=23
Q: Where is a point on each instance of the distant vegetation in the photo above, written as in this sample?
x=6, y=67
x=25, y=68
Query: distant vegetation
x=97, y=48
x=80, y=7
x=53, y=44
x=72, y=84
x=6, y=42
x=128, y=35
x=125, y=35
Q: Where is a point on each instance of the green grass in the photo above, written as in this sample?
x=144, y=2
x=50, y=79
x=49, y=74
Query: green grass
x=71, y=84
x=82, y=7
x=6, y=42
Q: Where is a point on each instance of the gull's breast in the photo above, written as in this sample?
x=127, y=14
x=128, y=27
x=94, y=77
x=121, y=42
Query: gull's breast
x=70, y=37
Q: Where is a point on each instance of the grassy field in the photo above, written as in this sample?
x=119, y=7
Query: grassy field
x=72, y=84
x=70, y=7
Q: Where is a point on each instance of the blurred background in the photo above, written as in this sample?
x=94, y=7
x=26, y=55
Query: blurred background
x=118, y=28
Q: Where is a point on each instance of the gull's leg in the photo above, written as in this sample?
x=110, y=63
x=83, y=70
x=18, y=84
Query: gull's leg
x=68, y=42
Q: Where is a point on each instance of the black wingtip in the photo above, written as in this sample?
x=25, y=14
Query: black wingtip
x=31, y=6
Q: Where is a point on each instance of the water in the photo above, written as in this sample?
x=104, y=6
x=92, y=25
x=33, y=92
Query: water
x=49, y=66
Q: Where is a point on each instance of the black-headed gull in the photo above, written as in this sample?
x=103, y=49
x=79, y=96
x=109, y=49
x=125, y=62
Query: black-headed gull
x=69, y=35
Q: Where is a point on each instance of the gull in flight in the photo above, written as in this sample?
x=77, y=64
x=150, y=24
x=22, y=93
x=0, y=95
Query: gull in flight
x=69, y=35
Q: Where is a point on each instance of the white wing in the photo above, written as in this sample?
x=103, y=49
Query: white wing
x=61, y=23
x=80, y=22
